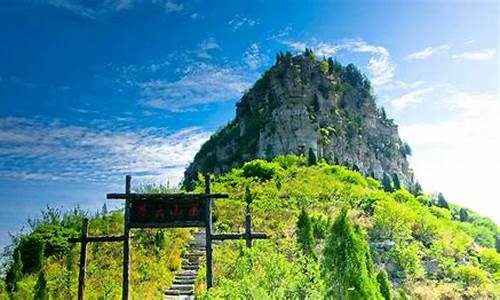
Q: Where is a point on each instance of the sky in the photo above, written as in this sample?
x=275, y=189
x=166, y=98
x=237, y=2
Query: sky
x=93, y=90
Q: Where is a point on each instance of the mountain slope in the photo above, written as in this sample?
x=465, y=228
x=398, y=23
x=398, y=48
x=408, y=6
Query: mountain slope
x=303, y=105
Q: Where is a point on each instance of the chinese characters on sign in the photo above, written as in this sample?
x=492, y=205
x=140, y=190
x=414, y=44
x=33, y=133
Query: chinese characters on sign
x=171, y=213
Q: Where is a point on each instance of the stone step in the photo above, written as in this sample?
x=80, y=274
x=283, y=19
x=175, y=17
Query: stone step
x=185, y=273
x=184, y=281
x=181, y=287
x=178, y=297
x=191, y=268
x=178, y=293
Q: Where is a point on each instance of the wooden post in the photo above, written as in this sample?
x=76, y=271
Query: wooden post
x=126, y=241
x=83, y=259
x=248, y=227
x=208, y=233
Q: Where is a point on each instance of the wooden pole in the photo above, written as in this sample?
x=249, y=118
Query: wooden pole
x=208, y=233
x=126, y=241
x=83, y=259
x=248, y=227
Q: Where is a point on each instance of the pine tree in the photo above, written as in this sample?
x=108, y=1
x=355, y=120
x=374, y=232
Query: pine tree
x=417, y=189
x=311, y=158
x=385, y=285
x=441, y=202
x=464, y=215
x=395, y=180
x=14, y=273
x=347, y=266
x=305, y=234
x=386, y=183
x=41, y=291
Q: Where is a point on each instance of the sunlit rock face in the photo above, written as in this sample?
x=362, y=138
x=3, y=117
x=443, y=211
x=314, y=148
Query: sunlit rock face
x=304, y=103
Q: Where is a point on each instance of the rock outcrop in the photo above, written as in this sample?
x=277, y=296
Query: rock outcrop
x=302, y=103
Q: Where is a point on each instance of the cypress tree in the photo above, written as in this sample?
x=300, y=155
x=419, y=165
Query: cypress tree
x=385, y=285
x=41, y=291
x=347, y=265
x=305, y=235
x=311, y=158
x=386, y=183
x=14, y=273
x=464, y=215
x=395, y=180
x=442, y=201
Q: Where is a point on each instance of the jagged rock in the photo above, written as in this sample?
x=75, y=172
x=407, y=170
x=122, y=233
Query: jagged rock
x=431, y=266
x=300, y=104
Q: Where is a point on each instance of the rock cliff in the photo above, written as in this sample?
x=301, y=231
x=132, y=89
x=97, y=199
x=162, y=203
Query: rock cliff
x=303, y=103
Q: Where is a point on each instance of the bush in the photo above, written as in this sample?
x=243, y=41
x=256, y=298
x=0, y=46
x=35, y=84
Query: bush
x=472, y=276
x=261, y=169
x=288, y=161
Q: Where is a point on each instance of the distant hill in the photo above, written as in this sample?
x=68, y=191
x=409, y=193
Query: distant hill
x=310, y=106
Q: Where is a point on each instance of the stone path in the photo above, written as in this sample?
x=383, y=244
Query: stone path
x=183, y=286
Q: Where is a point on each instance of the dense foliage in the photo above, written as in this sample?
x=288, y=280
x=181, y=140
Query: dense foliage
x=332, y=232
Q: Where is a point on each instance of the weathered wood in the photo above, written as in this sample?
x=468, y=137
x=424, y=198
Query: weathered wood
x=248, y=227
x=166, y=197
x=238, y=236
x=112, y=238
x=126, y=241
x=83, y=259
x=209, y=232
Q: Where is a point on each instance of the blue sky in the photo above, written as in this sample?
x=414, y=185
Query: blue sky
x=93, y=90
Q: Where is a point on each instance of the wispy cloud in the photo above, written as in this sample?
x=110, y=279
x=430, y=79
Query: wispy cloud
x=206, y=46
x=200, y=84
x=96, y=9
x=254, y=57
x=480, y=55
x=379, y=65
x=452, y=154
x=38, y=149
x=238, y=22
x=427, y=52
x=413, y=97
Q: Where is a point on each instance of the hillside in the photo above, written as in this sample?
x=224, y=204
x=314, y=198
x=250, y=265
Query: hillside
x=303, y=105
x=430, y=249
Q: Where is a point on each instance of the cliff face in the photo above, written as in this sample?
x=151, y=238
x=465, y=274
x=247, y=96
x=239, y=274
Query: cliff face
x=302, y=103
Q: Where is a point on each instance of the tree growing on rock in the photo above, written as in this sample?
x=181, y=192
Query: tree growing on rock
x=347, y=264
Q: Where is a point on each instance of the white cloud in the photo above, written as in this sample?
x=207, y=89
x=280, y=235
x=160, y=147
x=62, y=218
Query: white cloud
x=480, y=55
x=379, y=65
x=96, y=9
x=459, y=155
x=206, y=46
x=171, y=6
x=413, y=97
x=35, y=149
x=200, y=84
x=238, y=22
x=254, y=58
x=426, y=52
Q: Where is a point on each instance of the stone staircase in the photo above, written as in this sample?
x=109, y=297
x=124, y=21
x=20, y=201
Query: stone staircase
x=183, y=285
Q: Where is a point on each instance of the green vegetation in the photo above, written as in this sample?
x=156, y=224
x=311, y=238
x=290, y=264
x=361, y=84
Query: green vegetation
x=332, y=232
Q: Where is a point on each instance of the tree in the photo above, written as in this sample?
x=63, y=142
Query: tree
x=395, y=180
x=41, y=291
x=385, y=285
x=464, y=215
x=441, y=202
x=386, y=183
x=305, y=234
x=14, y=273
x=347, y=265
x=417, y=189
x=311, y=158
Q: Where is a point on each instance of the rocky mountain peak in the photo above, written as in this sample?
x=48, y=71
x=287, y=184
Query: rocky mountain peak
x=304, y=103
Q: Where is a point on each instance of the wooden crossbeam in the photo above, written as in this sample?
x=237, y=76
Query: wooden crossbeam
x=135, y=196
x=238, y=236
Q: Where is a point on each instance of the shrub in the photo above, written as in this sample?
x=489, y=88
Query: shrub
x=288, y=161
x=305, y=237
x=261, y=169
x=472, y=276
